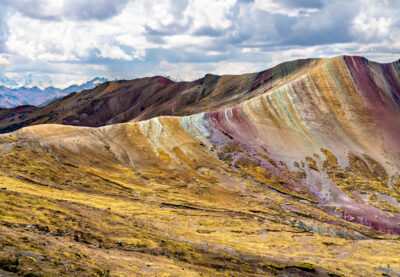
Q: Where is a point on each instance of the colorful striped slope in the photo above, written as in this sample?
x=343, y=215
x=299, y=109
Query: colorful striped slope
x=294, y=174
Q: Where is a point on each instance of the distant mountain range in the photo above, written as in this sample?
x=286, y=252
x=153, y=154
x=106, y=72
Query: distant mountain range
x=13, y=97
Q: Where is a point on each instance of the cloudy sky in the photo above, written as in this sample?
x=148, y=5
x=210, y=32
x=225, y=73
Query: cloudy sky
x=48, y=42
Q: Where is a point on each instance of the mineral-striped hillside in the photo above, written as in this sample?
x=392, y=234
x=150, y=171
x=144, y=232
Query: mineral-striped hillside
x=297, y=175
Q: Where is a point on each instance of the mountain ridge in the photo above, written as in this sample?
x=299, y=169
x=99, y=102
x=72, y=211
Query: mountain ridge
x=125, y=99
x=122, y=104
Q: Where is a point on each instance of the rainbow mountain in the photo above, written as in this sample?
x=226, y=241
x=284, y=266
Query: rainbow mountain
x=293, y=171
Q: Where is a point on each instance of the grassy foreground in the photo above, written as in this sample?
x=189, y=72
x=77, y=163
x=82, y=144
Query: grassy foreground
x=85, y=209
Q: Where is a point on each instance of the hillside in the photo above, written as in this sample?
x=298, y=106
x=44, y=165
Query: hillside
x=293, y=173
